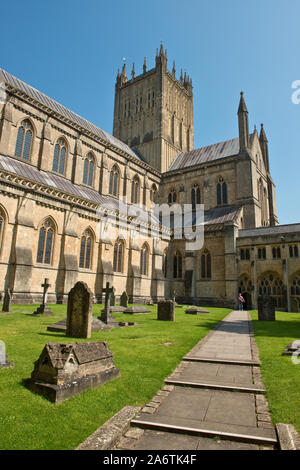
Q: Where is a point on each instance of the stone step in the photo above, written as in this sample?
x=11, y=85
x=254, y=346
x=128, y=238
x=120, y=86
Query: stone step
x=249, y=434
x=222, y=361
x=218, y=385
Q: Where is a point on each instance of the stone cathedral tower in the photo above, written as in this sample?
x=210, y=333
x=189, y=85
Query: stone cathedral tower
x=153, y=112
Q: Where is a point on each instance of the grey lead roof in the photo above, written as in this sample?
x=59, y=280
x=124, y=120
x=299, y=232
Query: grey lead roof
x=267, y=231
x=60, y=183
x=54, y=105
x=205, y=154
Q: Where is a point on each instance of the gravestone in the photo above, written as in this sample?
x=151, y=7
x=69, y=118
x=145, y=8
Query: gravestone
x=79, y=311
x=6, y=301
x=166, y=310
x=194, y=310
x=64, y=370
x=137, y=309
x=43, y=308
x=292, y=349
x=61, y=325
x=106, y=315
x=113, y=297
x=266, y=308
x=4, y=364
x=124, y=300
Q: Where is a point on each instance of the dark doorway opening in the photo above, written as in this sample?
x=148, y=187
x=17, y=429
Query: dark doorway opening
x=248, y=301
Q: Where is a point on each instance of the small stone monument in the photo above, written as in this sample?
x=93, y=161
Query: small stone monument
x=194, y=310
x=292, y=349
x=124, y=300
x=6, y=301
x=137, y=309
x=43, y=308
x=266, y=308
x=4, y=364
x=106, y=315
x=79, y=311
x=113, y=297
x=166, y=310
x=64, y=370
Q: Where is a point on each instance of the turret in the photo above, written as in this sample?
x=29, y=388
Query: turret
x=243, y=124
x=264, y=147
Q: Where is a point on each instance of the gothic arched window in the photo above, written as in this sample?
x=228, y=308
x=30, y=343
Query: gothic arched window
x=45, y=243
x=135, y=190
x=172, y=197
x=144, y=260
x=118, y=256
x=88, y=170
x=221, y=192
x=177, y=266
x=86, y=243
x=59, y=157
x=24, y=141
x=271, y=284
x=205, y=265
x=114, y=178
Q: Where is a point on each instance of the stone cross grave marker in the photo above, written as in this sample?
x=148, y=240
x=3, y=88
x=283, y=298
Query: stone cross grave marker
x=43, y=308
x=106, y=315
x=79, y=311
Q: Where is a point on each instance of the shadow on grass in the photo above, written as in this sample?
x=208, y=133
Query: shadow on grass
x=277, y=329
x=58, y=333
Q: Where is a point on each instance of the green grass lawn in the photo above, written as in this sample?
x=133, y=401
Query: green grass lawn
x=29, y=421
x=281, y=377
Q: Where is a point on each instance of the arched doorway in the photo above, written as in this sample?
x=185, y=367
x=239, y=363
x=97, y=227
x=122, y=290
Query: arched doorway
x=245, y=288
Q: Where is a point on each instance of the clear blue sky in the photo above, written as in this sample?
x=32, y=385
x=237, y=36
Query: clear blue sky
x=71, y=50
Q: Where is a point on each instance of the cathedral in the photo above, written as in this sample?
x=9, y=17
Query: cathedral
x=77, y=203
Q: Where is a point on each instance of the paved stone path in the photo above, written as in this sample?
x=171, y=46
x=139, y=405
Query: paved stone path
x=213, y=400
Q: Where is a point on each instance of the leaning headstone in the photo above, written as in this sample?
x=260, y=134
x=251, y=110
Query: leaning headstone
x=64, y=370
x=4, y=363
x=196, y=311
x=124, y=300
x=166, y=310
x=43, y=308
x=6, y=301
x=266, y=308
x=79, y=311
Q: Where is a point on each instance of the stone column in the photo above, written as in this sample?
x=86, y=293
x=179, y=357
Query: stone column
x=254, y=277
x=22, y=259
x=7, y=119
x=68, y=263
x=285, y=274
x=77, y=169
x=46, y=152
x=231, y=283
x=157, y=278
x=189, y=276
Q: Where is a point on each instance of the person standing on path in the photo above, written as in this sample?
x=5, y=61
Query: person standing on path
x=241, y=301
